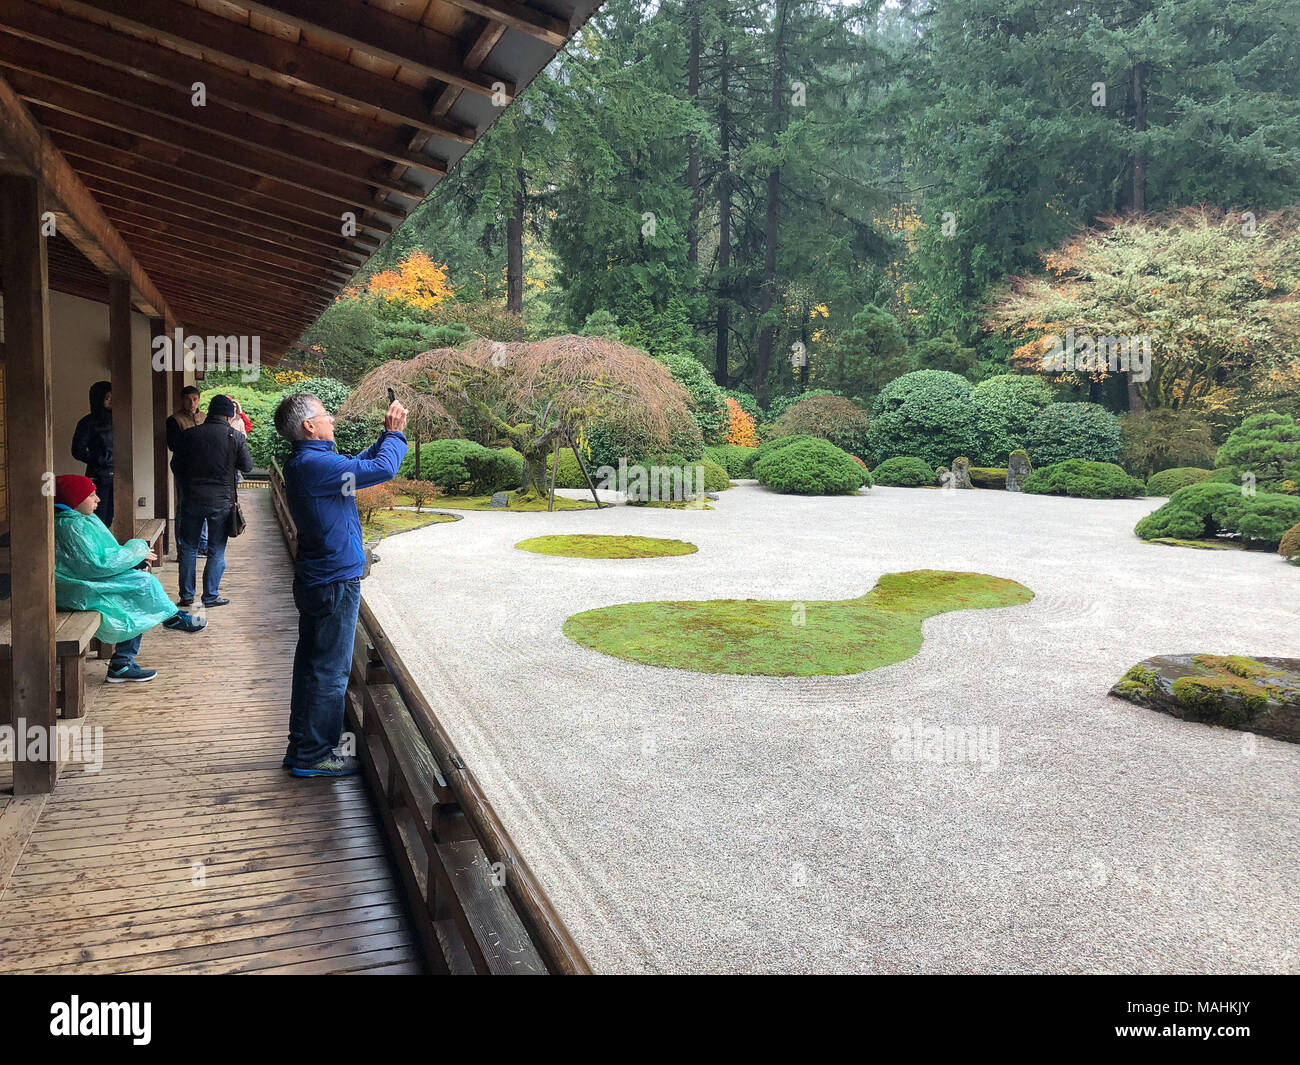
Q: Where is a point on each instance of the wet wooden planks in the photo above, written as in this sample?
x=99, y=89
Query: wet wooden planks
x=191, y=850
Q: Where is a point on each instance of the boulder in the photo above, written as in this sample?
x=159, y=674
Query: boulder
x=499, y=499
x=961, y=473
x=1018, y=468
x=1252, y=694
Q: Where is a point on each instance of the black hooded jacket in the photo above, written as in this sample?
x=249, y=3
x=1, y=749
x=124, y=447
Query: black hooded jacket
x=205, y=462
x=92, y=443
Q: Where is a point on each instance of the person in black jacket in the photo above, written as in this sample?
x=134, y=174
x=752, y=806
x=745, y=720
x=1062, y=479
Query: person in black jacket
x=205, y=462
x=92, y=443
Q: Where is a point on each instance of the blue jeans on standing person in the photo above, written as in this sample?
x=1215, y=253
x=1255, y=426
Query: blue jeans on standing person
x=327, y=628
x=189, y=527
x=124, y=653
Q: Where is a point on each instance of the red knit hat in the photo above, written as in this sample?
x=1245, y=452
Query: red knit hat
x=71, y=489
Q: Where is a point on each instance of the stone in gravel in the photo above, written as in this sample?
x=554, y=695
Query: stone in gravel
x=1018, y=469
x=499, y=499
x=960, y=473
x=1252, y=694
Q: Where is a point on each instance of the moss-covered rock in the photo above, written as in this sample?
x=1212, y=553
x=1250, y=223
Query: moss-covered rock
x=1235, y=691
x=988, y=476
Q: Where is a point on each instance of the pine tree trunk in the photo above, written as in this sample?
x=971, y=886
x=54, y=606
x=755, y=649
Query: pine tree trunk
x=515, y=250
x=693, y=158
x=772, y=227
x=723, y=335
x=1139, y=178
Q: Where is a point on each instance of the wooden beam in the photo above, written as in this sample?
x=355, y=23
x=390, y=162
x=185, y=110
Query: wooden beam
x=183, y=206
x=554, y=31
x=29, y=420
x=78, y=216
x=379, y=33
x=124, y=162
x=59, y=68
x=162, y=489
x=122, y=374
x=192, y=27
x=349, y=188
x=165, y=65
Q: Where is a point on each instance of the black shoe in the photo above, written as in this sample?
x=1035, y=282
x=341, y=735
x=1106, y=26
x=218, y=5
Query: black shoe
x=184, y=602
x=219, y=601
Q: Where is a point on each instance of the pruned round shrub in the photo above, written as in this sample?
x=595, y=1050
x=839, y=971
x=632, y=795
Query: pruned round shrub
x=1005, y=407
x=1064, y=431
x=464, y=466
x=1167, y=482
x=777, y=442
x=1209, y=509
x=1289, y=546
x=1267, y=517
x=904, y=471
x=736, y=460
x=1085, y=480
x=569, y=473
x=778, y=405
x=611, y=437
x=988, y=476
x=716, y=479
x=832, y=418
x=810, y=467
x=1266, y=446
x=926, y=413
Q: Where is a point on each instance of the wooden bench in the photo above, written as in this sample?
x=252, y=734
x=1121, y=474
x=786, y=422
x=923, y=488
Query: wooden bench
x=72, y=635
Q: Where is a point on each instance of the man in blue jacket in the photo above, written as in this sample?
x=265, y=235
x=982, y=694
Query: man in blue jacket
x=321, y=486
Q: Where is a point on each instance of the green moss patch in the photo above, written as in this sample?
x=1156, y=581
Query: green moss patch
x=1200, y=545
x=517, y=503
x=390, y=522
x=592, y=545
x=780, y=638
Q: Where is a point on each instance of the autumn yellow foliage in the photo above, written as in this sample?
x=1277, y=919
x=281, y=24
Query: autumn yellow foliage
x=740, y=426
x=418, y=280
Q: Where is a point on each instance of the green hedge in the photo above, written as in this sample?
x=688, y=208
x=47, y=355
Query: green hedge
x=1167, y=482
x=464, y=466
x=1209, y=509
x=1065, y=431
x=904, y=471
x=610, y=438
x=832, y=418
x=810, y=467
x=926, y=413
x=1005, y=408
x=716, y=479
x=738, y=461
x=1086, y=480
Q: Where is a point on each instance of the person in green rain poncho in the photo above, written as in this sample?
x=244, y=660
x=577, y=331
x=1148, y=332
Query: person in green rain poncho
x=92, y=571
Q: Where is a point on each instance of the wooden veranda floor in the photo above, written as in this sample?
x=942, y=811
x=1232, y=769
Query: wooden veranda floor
x=192, y=851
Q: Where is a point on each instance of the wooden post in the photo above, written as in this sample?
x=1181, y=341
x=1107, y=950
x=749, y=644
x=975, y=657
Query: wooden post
x=120, y=373
x=29, y=420
x=178, y=386
x=161, y=398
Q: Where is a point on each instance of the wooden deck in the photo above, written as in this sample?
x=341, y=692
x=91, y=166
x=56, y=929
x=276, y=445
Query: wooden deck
x=192, y=850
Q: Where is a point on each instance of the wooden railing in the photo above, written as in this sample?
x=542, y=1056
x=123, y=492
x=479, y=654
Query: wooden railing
x=476, y=905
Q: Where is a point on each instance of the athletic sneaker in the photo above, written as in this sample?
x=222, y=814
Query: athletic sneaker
x=333, y=766
x=122, y=674
x=184, y=622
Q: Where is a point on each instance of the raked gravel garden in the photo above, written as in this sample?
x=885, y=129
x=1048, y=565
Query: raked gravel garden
x=982, y=805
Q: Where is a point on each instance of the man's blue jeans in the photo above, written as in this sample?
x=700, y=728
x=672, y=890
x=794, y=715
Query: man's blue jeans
x=124, y=653
x=189, y=527
x=327, y=626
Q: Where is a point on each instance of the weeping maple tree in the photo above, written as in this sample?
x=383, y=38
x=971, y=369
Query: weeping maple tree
x=528, y=395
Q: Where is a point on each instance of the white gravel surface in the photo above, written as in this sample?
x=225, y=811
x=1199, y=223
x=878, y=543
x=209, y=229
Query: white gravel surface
x=685, y=822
